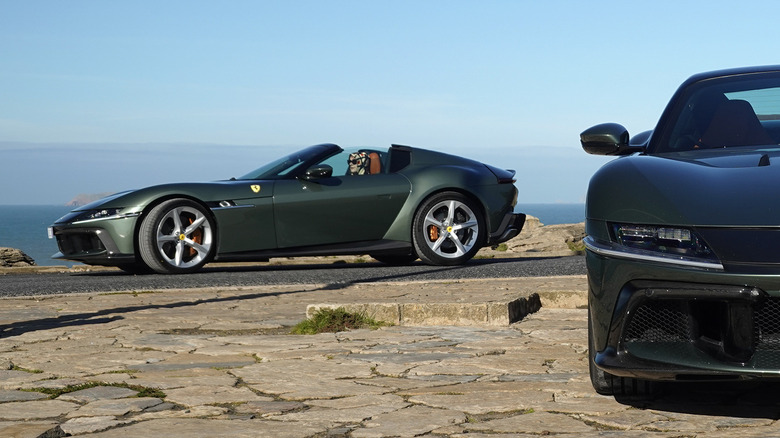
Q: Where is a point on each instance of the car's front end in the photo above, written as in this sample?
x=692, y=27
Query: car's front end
x=661, y=315
x=683, y=271
x=99, y=233
x=683, y=231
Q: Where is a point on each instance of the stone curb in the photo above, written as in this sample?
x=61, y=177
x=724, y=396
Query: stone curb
x=490, y=314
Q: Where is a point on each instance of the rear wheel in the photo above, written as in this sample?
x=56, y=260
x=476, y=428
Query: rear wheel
x=177, y=237
x=448, y=229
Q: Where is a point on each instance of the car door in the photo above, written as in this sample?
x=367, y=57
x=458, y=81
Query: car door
x=337, y=209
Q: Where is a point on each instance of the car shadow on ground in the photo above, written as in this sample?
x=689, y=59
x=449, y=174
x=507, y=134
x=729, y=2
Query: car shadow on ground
x=112, y=314
x=281, y=274
x=270, y=268
x=745, y=399
x=292, y=265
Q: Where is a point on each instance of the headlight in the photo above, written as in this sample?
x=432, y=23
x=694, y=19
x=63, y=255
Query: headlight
x=663, y=244
x=95, y=215
x=676, y=241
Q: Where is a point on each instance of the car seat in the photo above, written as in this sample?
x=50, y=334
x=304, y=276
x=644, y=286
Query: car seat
x=735, y=124
x=374, y=163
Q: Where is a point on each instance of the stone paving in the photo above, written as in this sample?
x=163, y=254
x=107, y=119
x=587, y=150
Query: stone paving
x=221, y=363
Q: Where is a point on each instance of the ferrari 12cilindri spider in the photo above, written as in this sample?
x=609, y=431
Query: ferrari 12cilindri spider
x=683, y=236
x=397, y=205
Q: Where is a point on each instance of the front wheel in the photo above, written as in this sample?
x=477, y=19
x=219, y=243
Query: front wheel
x=448, y=229
x=177, y=237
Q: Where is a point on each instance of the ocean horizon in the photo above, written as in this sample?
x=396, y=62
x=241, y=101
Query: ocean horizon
x=24, y=227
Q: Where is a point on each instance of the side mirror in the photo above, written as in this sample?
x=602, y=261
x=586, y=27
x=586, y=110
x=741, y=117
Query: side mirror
x=317, y=172
x=608, y=139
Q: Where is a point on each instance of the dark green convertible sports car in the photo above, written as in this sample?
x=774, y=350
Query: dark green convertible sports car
x=396, y=204
x=683, y=246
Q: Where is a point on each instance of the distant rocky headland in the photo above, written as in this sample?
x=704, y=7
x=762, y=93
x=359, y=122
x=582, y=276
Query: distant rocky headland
x=86, y=198
x=14, y=258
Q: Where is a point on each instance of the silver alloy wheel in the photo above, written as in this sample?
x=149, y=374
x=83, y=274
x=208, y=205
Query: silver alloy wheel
x=184, y=237
x=451, y=228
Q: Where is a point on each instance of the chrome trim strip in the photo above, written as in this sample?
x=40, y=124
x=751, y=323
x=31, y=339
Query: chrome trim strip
x=610, y=251
x=232, y=207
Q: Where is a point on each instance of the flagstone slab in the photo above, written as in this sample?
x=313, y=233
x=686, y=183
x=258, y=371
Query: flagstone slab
x=12, y=395
x=35, y=410
x=205, y=395
x=115, y=407
x=97, y=393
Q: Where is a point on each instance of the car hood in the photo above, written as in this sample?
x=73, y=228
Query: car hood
x=217, y=191
x=700, y=188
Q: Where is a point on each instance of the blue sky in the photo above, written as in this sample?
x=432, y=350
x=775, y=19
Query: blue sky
x=100, y=96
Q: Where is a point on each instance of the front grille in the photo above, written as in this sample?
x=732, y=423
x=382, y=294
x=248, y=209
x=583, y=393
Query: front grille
x=659, y=321
x=79, y=243
x=767, y=318
x=677, y=322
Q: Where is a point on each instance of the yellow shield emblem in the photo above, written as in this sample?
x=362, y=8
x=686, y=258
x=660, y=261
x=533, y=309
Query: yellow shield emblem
x=255, y=188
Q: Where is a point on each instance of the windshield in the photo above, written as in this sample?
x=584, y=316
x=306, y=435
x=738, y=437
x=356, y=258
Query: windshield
x=291, y=165
x=725, y=113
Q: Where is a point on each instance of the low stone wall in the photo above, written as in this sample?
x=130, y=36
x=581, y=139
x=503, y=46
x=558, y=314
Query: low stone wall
x=491, y=313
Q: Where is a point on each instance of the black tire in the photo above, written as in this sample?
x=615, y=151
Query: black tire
x=601, y=381
x=606, y=384
x=448, y=229
x=395, y=259
x=178, y=236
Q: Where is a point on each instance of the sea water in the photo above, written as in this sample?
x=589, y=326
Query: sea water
x=24, y=226
x=554, y=214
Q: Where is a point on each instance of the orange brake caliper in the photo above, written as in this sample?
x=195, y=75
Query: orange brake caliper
x=433, y=233
x=197, y=237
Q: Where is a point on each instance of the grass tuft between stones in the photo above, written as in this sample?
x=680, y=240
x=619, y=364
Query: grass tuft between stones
x=335, y=320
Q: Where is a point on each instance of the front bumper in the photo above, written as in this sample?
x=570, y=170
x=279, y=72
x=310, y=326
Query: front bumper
x=107, y=243
x=668, y=323
x=679, y=331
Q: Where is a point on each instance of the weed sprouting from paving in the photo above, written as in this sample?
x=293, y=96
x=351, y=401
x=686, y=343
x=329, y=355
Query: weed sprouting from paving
x=335, y=320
